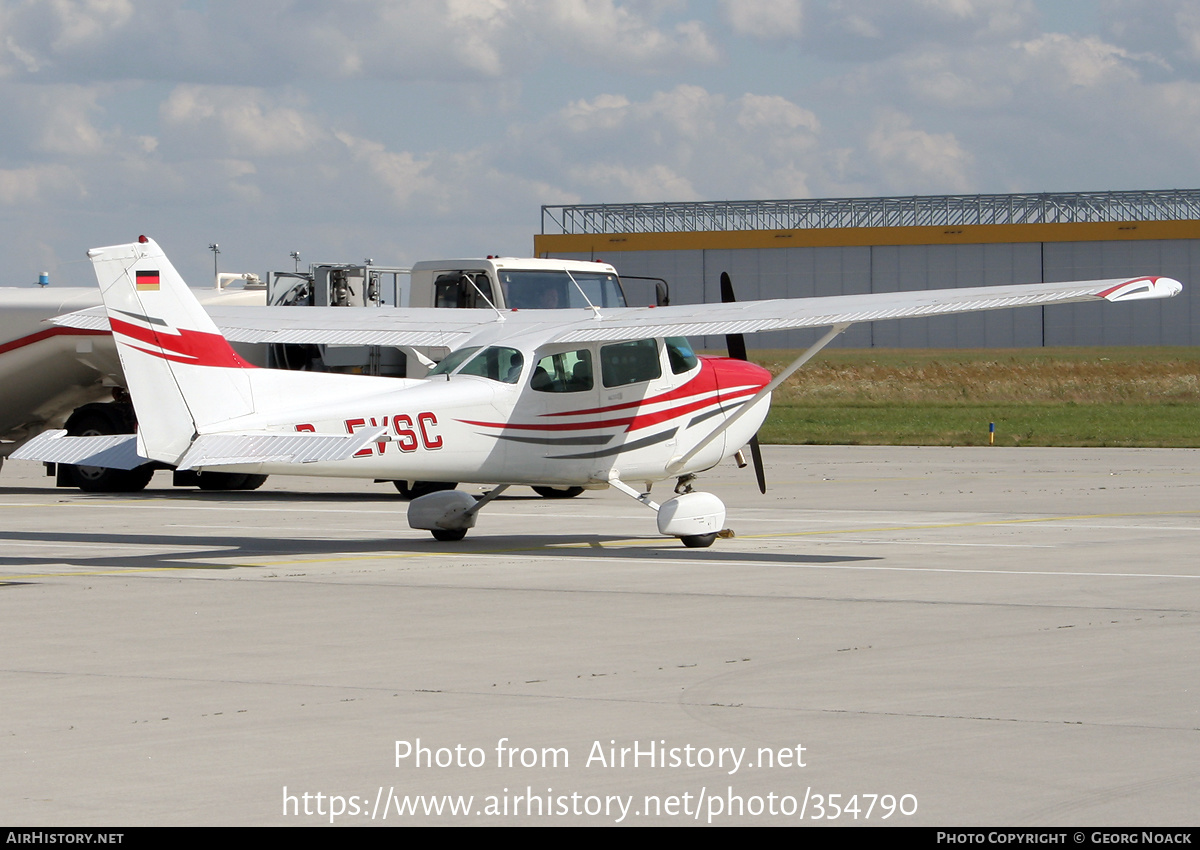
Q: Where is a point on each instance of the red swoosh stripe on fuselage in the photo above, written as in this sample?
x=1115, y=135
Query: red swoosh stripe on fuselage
x=704, y=384
x=21, y=342
x=195, y=347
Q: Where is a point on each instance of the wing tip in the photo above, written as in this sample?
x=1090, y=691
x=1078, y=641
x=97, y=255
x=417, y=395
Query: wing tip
x=1140, y=288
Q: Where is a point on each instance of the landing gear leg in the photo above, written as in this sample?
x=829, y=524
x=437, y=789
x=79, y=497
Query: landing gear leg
x=695, y=518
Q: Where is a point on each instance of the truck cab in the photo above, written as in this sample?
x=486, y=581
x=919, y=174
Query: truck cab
x=500, y=283
x=511, y=283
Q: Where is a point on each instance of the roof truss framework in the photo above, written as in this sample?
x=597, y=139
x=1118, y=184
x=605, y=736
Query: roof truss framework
x=914, y=211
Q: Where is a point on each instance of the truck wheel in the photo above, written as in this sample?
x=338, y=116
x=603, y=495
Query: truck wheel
x=230, y=481
x=417, y=489
x=558, y=492
x=95, y=420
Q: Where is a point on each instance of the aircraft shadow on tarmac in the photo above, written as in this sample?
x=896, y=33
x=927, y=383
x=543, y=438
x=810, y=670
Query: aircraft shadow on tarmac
x=387, y=496
x=190, y=553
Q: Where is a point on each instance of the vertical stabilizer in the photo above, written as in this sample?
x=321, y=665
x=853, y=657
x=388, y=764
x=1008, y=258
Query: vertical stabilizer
x=182, y=374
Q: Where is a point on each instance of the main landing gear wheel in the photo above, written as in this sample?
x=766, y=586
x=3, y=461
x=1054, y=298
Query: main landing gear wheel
x=558, y=492
x=417, y=489
x=698, y=541
x=96, y=420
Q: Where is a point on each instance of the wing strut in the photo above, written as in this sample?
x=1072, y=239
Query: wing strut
x=679, y=462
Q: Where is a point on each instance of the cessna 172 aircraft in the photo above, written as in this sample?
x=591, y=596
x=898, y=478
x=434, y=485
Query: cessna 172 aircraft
x=585, y=397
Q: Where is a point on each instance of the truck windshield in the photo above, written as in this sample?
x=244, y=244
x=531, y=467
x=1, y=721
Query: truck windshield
x=549, y=290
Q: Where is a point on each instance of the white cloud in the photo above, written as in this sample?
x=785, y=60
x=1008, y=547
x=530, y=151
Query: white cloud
x=36, y=183
x=83, y=22
x=766, y=20
x=1080, y=61
x=226, y=41
x=1169, y=29
x=401, y=173
x=910, y=160
x=653, y=182
x=243, y=121
x=614, y=35
x=682, y=143
x=62, y=116
x=774, y=114
x=605, y=111
x=867, y=30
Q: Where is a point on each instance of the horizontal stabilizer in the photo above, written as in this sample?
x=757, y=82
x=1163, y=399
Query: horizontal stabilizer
x=114, y=451
x=209, y=450
x=90, y=319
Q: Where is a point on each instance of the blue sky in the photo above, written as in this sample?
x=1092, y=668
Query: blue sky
x=414, y=130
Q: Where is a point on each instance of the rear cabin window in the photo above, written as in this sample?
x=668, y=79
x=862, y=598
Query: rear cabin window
x=625, y=363
x=568, y=372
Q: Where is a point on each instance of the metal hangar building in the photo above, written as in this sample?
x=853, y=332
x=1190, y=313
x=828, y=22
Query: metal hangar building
x=801, y=248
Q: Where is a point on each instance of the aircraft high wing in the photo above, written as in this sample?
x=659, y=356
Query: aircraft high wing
x=569, y=398
x=430, y=326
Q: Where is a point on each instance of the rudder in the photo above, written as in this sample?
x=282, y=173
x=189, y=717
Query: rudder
x=181, y=373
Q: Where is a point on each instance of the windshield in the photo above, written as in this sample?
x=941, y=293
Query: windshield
x=452, y=361
x=497, y=363
x=549, y=290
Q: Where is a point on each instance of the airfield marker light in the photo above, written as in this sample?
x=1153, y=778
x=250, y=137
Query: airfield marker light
x=991, y=433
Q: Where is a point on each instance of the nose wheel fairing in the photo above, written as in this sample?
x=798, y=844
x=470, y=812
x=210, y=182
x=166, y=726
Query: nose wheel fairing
x=695, y=518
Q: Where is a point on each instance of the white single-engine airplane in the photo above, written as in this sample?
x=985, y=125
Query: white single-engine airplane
x=565, y=398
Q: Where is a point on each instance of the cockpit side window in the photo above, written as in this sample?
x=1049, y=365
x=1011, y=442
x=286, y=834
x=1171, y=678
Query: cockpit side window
x=567, y=372
x=497, y=363
x=629, y=362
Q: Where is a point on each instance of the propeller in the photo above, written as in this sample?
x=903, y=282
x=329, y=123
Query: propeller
x=735, y=344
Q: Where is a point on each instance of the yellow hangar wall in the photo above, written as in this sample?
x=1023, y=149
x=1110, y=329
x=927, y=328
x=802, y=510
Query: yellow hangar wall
x=843, y=261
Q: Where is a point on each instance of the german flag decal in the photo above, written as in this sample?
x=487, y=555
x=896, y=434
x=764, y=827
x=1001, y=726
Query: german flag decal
x=147, y=281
